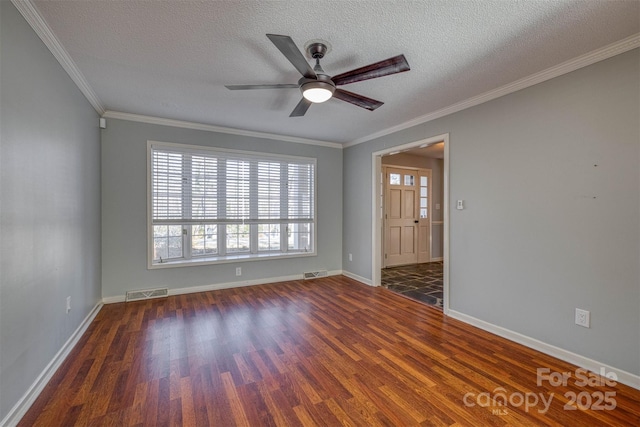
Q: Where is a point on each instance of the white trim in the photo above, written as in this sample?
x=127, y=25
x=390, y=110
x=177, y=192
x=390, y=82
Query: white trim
x=22, y=406
x=227, y=285
x=376, y=219
x=113, y=300
x=42, y=29
x=624, y=377
x=446, y=256
x=150, y=241
x=410, y=168
x=377, y=230
x=229, y=259
x=436, y=259
x=199, y=149
x=31, y=14
x=357, y=278
x=574, y=64
x=212, y=128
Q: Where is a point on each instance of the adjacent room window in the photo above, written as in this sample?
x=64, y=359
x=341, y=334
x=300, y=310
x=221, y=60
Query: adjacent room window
x=424, y=193
x=213, y=205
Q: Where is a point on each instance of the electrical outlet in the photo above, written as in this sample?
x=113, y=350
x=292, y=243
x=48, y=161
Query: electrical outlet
x=238, y=271
x=68, y=304
x=350, y=257
x=582, y=317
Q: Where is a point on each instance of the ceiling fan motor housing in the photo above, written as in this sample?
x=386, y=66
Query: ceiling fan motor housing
x=317, y=50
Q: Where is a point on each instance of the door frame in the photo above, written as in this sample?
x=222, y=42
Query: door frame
x=377, y=195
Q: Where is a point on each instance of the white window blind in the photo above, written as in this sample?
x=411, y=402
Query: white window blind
x=271, y=196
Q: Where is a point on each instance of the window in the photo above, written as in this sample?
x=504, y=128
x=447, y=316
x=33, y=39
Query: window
x=424, y=191
x=394, y=179
x=213, y=205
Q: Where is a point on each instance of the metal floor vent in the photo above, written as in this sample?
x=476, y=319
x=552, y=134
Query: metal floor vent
x=146, y=294
x=314, y=274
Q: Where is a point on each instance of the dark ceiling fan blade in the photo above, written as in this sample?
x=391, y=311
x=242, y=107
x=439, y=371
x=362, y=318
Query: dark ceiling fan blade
x=355, y=99
x=394, y=65
x=289, y=49
x=301, y=108
x=276, y=86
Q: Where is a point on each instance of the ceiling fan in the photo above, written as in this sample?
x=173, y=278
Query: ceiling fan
x=317, y=86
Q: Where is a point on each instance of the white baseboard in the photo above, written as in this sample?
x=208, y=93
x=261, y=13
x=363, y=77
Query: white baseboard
x=435, y=259
x=113, y=300
x=624, y=377
x=22, y=406
x=354, y=276
x=227, y=285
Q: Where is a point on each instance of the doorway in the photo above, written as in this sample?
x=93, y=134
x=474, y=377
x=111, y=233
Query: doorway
x=437, y=229
x=421, y=282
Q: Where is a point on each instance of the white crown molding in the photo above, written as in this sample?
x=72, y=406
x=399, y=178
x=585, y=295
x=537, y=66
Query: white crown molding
x=212, y=128
x=35, y=20
x=587, y=59
x=39, y=25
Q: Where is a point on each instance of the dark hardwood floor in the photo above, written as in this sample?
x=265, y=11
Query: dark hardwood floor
x=322, y=352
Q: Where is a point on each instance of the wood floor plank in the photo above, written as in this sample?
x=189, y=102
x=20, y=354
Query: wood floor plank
x=323, y=352
x=304, y=416
x=278, y=406
x=239, y=415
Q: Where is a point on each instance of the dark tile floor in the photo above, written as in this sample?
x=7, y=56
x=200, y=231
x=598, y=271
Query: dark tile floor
x=422, y=282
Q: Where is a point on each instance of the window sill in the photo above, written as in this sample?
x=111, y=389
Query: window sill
x=227, y=259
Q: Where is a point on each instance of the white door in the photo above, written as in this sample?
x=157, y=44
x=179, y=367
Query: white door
x=401, y=216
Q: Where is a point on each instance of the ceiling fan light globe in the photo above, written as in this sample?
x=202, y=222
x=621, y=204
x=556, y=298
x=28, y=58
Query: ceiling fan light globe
x=317, y=95
x=317, y=91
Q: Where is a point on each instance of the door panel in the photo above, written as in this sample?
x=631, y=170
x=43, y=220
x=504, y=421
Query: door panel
x=408, y=240
x=395, y=206
x=423, y=244
x=409, y=204
x=394, y=240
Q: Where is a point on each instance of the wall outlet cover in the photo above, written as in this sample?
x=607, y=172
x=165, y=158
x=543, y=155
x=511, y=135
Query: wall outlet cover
x=583, y=317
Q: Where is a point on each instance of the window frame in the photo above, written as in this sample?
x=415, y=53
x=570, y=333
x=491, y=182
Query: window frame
x=254, y=253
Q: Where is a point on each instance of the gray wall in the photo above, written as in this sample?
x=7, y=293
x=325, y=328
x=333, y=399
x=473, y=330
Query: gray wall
x=544, y=230
x=49, y=207
x=124, y=210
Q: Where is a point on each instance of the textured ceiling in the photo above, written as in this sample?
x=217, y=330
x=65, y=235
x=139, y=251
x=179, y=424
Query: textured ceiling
x=171, y=59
